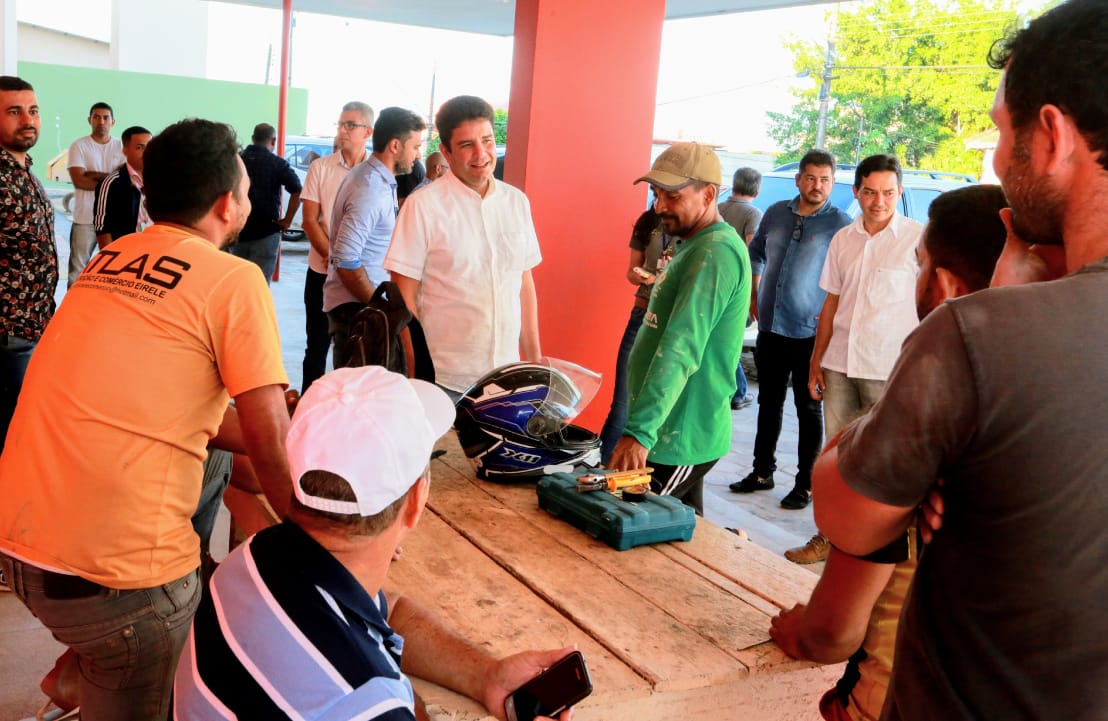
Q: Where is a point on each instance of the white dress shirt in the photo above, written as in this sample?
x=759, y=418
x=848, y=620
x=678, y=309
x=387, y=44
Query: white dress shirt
x=469, y=254
x=875, y=279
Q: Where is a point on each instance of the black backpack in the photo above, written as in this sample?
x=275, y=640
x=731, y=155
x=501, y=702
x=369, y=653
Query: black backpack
x=385, y=333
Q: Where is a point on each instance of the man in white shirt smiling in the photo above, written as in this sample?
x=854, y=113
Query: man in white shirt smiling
x=870, y=279
x=462, y=255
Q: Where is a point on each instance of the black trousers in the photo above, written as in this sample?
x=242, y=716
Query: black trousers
x=685, y=483
x=315, y=327
x=778, y=359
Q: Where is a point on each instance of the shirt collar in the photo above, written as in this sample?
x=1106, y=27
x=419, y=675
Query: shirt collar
x=9, y=159
x=461, y=185
x=893, y=226
x=342, y=160
x=380, y=169
x=306, y=558
x=825, y=208
x=136, y=176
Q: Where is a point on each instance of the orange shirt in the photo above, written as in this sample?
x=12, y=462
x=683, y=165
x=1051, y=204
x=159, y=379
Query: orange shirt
x=101, y=470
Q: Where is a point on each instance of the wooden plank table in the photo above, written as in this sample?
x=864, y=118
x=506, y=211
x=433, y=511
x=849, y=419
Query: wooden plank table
x=670, y=631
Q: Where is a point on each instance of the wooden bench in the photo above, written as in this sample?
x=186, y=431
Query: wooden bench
x=670, y=631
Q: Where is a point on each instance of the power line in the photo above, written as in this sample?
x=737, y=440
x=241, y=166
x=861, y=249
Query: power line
x=944, y=18
x=714, y=93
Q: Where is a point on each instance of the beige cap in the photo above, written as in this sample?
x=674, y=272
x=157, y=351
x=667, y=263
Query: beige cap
x=684, y=163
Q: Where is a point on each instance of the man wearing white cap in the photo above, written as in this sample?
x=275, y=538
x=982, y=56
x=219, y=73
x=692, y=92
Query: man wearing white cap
x=296, y=624
x=681, y=373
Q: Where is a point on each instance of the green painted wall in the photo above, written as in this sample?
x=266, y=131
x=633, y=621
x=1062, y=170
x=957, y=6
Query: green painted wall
x=153, y=101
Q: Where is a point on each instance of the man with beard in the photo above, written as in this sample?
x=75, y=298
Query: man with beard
x=102, y=472
x=29, y=269
x=854, y=608
x=681, y=372
x=1001, y=394
x=786, y=257
x=362, y=221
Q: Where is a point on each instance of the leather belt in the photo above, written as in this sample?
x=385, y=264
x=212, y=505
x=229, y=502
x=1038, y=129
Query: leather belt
x=61, y=586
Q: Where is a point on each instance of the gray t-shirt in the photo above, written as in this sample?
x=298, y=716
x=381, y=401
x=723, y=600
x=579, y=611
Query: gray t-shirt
x=1002, y=394
x=741, y=215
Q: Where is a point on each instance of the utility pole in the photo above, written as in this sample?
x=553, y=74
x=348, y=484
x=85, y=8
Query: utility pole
x=431, y=108
x=825, y=95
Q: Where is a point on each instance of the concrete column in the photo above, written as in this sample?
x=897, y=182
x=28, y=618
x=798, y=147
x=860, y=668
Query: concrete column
x=9, y=29
x=580, y=125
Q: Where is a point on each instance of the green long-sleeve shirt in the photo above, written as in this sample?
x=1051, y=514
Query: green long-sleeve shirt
x=681, y=373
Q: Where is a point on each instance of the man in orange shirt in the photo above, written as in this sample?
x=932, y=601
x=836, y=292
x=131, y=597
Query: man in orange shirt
x=131, y=380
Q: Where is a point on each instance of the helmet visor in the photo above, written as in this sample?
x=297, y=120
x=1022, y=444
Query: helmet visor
x=571, y=389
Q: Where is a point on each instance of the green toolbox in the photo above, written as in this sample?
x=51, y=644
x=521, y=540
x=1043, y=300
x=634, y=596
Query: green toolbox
x=620, y=523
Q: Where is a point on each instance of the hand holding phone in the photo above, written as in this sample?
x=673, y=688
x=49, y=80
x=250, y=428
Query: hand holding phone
x=552, y=691
x=644, y=274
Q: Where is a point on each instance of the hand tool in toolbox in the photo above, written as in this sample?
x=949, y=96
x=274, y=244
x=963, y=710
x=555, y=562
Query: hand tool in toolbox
x=586, y=502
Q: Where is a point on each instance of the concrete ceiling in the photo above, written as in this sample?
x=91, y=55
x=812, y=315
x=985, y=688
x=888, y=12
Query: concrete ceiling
x=490, y=17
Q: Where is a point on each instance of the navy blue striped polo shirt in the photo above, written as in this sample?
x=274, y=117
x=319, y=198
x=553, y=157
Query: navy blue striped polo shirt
x=287, y=633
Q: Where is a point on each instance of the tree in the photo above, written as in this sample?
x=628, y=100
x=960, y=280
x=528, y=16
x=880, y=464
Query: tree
x=909, y=78
x=499, y=129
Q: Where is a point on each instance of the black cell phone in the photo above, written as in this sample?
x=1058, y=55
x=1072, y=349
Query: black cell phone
x=552, y=691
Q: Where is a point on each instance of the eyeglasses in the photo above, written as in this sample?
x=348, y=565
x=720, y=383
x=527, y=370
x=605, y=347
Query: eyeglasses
x=798, y=229
x=349, y=125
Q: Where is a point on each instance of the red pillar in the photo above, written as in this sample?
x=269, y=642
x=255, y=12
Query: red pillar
x=283, y=98
x=580, y=125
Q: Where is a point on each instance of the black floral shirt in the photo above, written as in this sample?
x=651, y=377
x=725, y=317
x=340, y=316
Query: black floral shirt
x=28, y=255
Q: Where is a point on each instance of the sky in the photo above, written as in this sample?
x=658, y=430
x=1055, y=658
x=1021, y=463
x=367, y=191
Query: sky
x=718, y=75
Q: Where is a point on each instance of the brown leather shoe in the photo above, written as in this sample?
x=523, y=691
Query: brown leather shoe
x=814, y=551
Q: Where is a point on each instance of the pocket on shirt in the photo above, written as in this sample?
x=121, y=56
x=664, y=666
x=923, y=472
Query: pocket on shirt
x=891, y=285
x=512, y=252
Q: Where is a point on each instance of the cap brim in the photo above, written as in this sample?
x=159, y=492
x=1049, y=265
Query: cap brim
x=437, y=406
x=665, y=181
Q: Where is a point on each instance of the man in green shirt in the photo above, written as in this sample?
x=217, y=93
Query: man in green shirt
x=681, y=373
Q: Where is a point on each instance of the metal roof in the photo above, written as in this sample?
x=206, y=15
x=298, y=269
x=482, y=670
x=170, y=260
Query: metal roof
x=489, y=17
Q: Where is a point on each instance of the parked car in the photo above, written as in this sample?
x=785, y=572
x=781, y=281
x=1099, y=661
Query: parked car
x=921, y=187
x=501, y=156
x=300, y=151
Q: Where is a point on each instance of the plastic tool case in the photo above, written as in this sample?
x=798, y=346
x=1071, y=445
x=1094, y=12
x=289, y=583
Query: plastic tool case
x=618, y=523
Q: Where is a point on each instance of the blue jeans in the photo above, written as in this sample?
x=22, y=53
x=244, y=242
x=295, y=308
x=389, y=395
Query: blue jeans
x=217, y=474
x=127, y=641
x=740, y=381
x=617, y=415
x=741, y=386
x=15, y=354
x=261, y=252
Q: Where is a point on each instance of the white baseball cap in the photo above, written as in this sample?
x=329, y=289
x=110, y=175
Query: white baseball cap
x=374, y=428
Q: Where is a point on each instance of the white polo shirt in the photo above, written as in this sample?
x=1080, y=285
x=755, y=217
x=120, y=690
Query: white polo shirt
x=325, y=175
x=469, y=254
x=875, y=279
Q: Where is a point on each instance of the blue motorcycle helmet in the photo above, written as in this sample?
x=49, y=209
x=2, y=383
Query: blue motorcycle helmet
x=514, y=423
